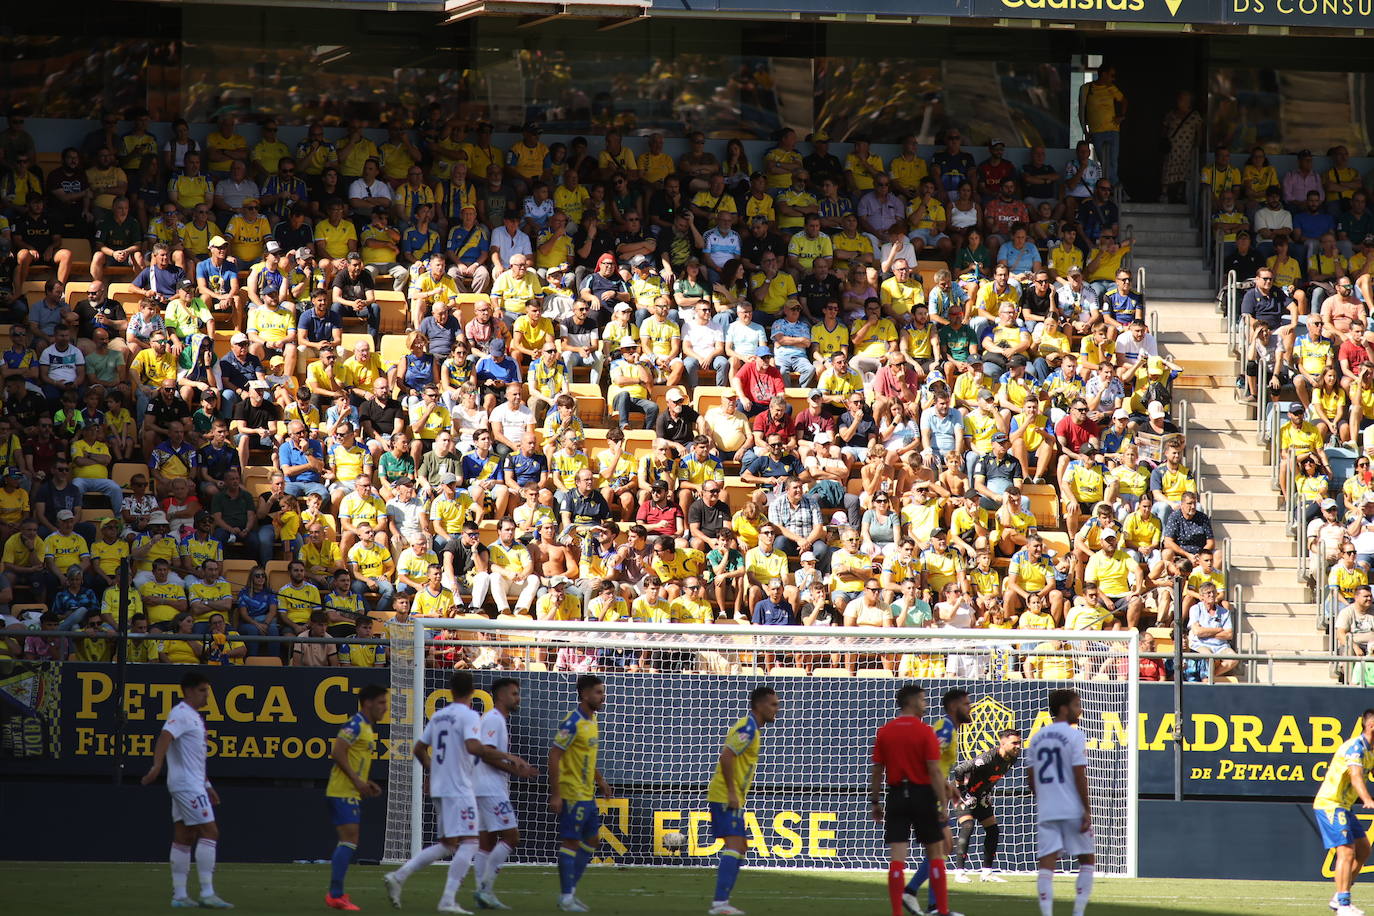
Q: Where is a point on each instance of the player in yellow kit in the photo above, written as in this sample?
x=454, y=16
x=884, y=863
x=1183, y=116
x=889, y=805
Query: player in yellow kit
x=1334, y=806
x=354, y=747
x=729, y=789
x=573, y=781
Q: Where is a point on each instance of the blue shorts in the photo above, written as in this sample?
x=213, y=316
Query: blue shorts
x=726, y=821
x=344, y=811
x=579, y=821
x=1339, y=827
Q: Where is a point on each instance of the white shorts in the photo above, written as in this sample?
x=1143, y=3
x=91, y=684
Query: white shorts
x=455, y=816
x=1064, y=837
x=495, y=813
x=192, y=808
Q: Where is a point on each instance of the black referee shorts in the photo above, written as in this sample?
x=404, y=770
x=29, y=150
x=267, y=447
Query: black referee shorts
x=911, y=809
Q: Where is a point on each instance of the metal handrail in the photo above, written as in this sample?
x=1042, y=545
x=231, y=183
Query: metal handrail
x=1197, y=462
x=1184, y=409
x=1233, y=344
x=1154, y=324
x=1139, y=278
x=1262, y=400
x=1218, y=249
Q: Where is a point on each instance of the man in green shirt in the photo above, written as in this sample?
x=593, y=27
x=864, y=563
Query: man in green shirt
x=119, y=241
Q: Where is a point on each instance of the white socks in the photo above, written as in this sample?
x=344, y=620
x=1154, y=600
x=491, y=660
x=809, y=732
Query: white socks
x=495, y=859
x=181, y=868
x=205, y=866
x=1083, y=888
x=1044, y=883
x=458, y=869
x=479, y=866
x=427, y=856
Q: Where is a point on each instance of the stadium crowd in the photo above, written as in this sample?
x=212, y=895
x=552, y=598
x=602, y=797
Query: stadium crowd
x=319, y=389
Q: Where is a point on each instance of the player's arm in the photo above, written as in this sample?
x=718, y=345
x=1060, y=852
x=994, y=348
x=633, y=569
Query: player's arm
x=421, y=753
x=603, y=785
x=164, y=741
x=338, y=753
x=555, y=792
x=937, y=782
x=1080, y=779
x=498, y=758
x=1356, y=773
x=727, y=773
x=875, y=791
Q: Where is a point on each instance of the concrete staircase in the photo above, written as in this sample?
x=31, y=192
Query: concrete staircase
x=1167, y=246
x=1278, y=610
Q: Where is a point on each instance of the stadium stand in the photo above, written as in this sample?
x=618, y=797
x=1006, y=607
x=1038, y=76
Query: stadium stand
x=453, y=393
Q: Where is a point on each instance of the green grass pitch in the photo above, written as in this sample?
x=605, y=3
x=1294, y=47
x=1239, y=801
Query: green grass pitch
x=111, y=889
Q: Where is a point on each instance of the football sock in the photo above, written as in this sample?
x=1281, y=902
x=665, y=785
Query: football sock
x=458, y=870
x=205, y=866
x=991, y=836
x=338, y=867
x=427, y=856
x=896, y=877
x=730, y=861
x=584, y=858
x=495, y=859
x=1083, y=888
x=181, y=868
x=918, y=877
x=961, y=844
x=479, y=865
x=567, y=870
x=1044, y=883
x=937, y=885
x=1343, y=898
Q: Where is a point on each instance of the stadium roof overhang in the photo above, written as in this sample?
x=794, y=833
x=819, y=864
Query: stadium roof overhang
x=1236, y=17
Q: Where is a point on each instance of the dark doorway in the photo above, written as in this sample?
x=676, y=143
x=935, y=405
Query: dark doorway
x=1151, y=71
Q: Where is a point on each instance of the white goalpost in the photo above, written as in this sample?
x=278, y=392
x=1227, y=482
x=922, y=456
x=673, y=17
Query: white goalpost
x=673, y=690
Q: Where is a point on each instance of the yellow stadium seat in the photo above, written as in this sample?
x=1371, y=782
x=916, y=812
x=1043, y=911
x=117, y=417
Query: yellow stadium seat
x=394, y=349
x=81, y=255
x=707, y=396
x=394, y=311
x=1058, y=541
x=874, y=672
x=1044, y=504
x=782, y=671
x=263, y=661
x=236, y=572
x=350, y=341
x=124, y=472
x=277, y=574
x=831, y=672
x=796, y=399
x=76, y=291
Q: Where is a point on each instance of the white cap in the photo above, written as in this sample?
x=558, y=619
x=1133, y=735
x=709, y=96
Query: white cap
x=158, y=518
x=622, y=307
x=64, y=514
x=239, y=338
x=1157, y=410
x=560, y=580
x=1122, y=413
x=675, y=395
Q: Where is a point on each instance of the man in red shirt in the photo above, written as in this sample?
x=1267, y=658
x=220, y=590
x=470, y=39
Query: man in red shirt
x=1074, y=432
x=757, y=382
x=906, y=754
x=777, y=419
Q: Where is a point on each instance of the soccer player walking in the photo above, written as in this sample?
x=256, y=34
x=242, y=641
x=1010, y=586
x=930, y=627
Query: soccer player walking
x=499, y=831
x=906, y=755
x=448, y=750
x=729, y=788
x=1335, y=809
x=182, y=746
x=973, y=782
x=352, y=752
x=573, y=781
x=1058, y=777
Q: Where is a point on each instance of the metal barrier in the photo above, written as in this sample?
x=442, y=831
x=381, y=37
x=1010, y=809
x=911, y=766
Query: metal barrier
x=1234, y=345
x=1184, y=409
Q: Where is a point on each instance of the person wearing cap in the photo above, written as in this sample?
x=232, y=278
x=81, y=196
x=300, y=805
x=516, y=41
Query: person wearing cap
x=255, y=421
x=1118, y=433
x=196, y=234
x=631, y=385
x=248, y=232
x=217, y=280
x=758, y=381
x=281, y=191
x=996, y=472
x=353, y=294
x=368, y=190
x=1244, y=257
x=604, y=288
x=468, y=248
x=187, y=315
x=1298, y=183
x=1118, y=578
x=63, y=549
x=1002, y=213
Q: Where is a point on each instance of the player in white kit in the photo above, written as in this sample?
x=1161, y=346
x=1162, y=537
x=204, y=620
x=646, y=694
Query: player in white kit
x=182, y=746
x=1058, y=775
x=500, y=832
x=448, y=750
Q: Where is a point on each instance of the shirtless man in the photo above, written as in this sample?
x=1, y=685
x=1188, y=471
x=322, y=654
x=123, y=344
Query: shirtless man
x=552, y=558
x=1340, y=308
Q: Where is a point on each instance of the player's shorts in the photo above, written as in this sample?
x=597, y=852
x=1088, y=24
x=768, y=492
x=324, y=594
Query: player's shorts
x=978, y=807
x=726, y=821
x=455, y=816
x=911, y=809
x=192, y=808
x=495, y=813
x=580, y=820
x=1338, y=827
x=344, y=811
x=1062, y=837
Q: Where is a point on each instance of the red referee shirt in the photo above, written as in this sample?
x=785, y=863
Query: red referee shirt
x=904, y=746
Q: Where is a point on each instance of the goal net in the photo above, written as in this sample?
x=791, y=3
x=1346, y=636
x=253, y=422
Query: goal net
x=674, y=690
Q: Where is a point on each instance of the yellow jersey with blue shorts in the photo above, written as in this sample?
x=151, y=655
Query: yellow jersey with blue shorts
x=578, y=737
x=362, y=747
x=744, y=739
x=947, y=733
x=1335, y=801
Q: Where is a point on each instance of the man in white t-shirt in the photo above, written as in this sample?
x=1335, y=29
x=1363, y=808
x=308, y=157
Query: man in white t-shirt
x=508, y=240
x=61, y=365
x=182, y=746
x=510, y=420
x=1057, y=770
x=500, y=832
x=448, y=750
x=703, y=346
x=1135, y=340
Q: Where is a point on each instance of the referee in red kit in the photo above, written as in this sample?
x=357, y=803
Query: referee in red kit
x=907, y=752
